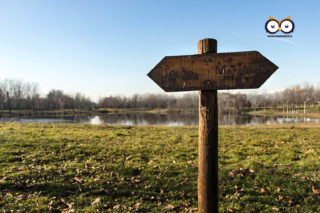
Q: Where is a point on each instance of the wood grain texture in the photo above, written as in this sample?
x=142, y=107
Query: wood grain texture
x=207, y=45
x=208, y=143
x=208, y=152
x=212, y=71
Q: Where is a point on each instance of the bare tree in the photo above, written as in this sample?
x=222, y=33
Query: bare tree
x=306, y=94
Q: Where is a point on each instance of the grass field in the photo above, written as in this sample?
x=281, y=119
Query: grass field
x=86, y=168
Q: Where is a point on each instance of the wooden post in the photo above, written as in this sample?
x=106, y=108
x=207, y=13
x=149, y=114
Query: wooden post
x=208, y=141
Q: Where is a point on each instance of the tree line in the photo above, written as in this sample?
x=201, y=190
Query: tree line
x=19, y=95
x=290, y=99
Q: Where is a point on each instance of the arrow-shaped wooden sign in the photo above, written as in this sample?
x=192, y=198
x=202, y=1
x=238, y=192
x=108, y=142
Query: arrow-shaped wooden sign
x=212, y=71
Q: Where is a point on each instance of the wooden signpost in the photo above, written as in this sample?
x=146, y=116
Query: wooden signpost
x=208, y=72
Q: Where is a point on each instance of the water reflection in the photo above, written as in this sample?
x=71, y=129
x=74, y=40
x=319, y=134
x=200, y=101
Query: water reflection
x=170, y=119
x=37, y=120
x=145, y=119
x=234, y=120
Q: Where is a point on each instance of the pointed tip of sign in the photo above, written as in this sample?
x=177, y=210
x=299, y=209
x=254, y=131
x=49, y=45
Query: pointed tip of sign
x=154, y=75
x=274, y=67
x=151, y=74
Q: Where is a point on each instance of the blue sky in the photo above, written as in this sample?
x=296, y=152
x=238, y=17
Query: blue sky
x=105, y=47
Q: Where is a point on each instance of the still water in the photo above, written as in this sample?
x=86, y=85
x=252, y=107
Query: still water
x=171, y=119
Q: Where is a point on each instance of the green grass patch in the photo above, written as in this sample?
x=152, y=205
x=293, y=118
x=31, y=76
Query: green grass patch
x=90, y=168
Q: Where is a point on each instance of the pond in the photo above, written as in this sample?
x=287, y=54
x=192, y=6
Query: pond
x=170, y=119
